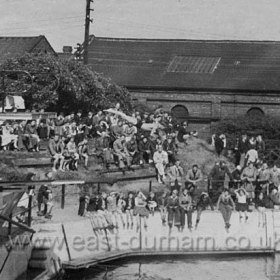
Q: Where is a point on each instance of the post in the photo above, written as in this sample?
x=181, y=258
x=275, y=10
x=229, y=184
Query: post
x=140, y=233
x=29, y=209
x=150, y=186
x=10, y=224
x=4, y=94
x=87, y=23
x=66, y=242
x=62, y=196
x=98, y=188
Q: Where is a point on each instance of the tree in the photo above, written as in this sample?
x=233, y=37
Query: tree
x=78, y=87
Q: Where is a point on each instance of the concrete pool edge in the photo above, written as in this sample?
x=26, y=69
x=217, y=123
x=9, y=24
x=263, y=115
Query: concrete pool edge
x=88, y=262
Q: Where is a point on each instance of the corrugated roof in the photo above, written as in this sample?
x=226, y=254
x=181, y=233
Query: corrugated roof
x=217, y=65
x=11, y=46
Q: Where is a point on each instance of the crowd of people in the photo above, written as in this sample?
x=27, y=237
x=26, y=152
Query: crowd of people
x=251, y=185
x=153, y=138
x=116, y=138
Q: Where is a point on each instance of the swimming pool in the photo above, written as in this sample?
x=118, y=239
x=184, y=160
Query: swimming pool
x=241, y=267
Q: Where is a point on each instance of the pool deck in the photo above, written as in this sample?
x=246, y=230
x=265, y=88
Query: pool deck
x=80, y=245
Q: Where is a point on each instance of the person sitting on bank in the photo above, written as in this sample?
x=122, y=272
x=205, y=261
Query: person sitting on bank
x=34, y=140
x=251, y=156
x=132, y=150
x=145, y=151
x=175, y=173
x=216, y=180
x=249, y=176
x=72, y=149
x=262, y=180
x=193, y=177
x=83, y=151
x=122, y=154
x=56, y=148
x=170, y=147
x=161, y=160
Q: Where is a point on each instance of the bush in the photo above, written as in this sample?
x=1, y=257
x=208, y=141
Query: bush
x=268, y=127
x=78, y=88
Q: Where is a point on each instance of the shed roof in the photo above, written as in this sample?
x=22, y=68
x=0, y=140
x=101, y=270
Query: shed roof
x=11, y=46
x=188, y=64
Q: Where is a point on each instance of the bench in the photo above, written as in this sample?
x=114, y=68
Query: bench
x=117, y=169
x=34, y=162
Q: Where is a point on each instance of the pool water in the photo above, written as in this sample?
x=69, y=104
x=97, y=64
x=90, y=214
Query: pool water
x=181, y=268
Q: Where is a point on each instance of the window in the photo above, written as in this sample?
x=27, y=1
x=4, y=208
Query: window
x=255, y=113
x=180, y=112
x=193, y=64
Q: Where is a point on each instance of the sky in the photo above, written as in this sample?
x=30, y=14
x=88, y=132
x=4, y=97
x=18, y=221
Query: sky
x=62, y=21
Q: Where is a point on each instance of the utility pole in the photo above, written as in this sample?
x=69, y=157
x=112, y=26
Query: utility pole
x=87, y=23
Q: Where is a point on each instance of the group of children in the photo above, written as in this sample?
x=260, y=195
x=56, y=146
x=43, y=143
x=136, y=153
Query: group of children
x=176, y=210
x=114, y=209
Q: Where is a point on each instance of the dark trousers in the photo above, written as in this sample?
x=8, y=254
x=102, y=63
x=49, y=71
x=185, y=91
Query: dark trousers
x=173, y=216
x=183, y=217
x=199, y=212
x=215, y=192
x=226, y=211
x=145, y=156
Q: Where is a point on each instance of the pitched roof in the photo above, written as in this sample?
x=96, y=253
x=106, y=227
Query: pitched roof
x=11, y=46
x=188, y=64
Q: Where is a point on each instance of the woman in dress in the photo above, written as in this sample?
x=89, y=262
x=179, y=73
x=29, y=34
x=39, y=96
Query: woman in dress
x=140, y=209
x=225, y=204
x=241, y=205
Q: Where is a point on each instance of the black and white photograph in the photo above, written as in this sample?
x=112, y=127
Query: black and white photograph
x=139, y=139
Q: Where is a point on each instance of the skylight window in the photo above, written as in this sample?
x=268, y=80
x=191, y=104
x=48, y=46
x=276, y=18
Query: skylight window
x=193, y=64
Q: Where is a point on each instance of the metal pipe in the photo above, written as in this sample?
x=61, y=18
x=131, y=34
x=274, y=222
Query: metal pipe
x=17, y=224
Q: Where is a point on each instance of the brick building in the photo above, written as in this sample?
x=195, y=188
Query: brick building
x=202, y=81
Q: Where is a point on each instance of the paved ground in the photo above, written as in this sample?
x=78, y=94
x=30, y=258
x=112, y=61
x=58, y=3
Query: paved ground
x=86, y=243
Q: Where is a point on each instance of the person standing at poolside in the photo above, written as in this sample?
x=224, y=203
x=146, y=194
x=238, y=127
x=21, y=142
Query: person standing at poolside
x=241, y=205
x=260, y=206
x=173, y=209
x=129, y=206
x=216, y=180
x=185, y=201
x=162, y=207
x=204, y=201
x=140, y=209
x=225, y=204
